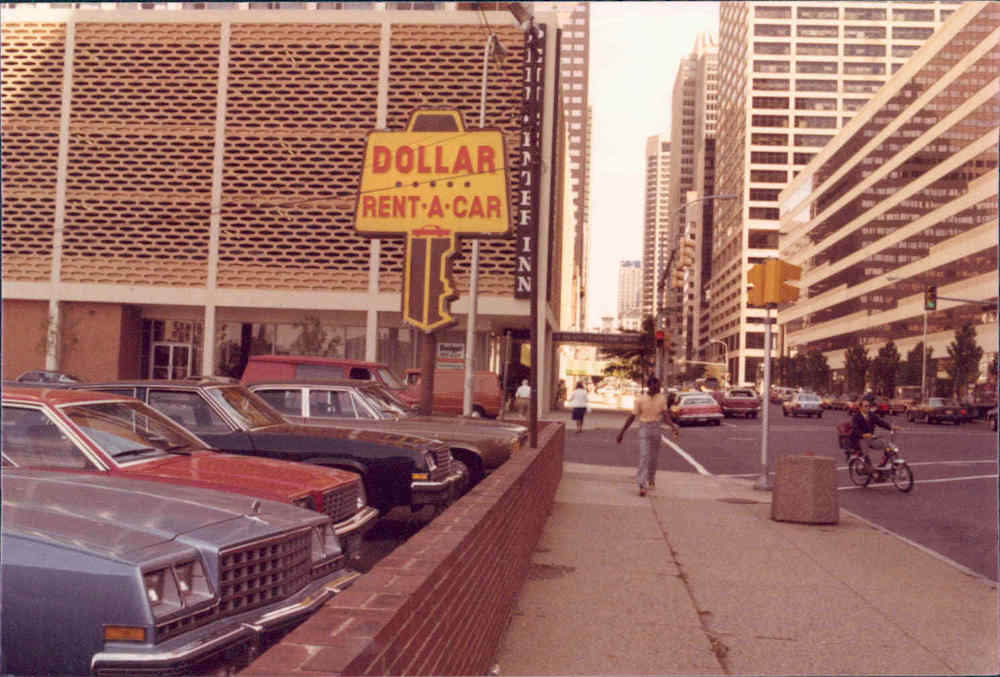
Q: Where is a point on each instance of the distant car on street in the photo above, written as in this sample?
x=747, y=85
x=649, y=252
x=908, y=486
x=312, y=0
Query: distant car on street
x=803, y=404
x=693, y=407
x=937, y=410
x=740, y=402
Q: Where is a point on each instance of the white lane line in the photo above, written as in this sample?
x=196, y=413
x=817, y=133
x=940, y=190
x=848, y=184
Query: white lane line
x=683, y=454
x=945, y=479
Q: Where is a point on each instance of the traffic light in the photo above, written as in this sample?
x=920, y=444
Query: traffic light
x=930, y=298
x=660, y=336
x=755, y=290
x=778, y=274
x=678, y=279
x=687, y=252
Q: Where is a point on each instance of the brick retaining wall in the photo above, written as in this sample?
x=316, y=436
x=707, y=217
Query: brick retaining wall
x=439, y=604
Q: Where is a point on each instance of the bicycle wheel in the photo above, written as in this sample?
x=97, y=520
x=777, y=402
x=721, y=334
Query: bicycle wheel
x=902, y=477
x=858, y=473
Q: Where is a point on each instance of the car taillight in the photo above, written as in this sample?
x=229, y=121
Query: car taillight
x=963, y=412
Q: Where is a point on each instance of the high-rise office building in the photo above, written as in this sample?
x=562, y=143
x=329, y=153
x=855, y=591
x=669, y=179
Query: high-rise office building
x=629, y=287
x=694, y=109
x=574, y=68
x=791, y=75
x=656, y=219
x=903, y=199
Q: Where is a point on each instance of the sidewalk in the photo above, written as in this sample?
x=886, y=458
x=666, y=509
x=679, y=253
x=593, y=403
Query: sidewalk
x=696, y=579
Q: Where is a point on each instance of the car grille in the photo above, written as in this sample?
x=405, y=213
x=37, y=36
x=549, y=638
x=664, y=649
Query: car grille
x=261, y=572
x=190, y=621
x=342, y=502
x=442, y=457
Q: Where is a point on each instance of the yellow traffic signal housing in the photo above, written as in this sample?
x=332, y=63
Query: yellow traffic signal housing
x=687, y=252
x=755, y=282
x=678, y=278
x=778, y=274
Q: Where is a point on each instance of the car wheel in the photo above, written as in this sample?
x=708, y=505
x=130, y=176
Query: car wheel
x=819, y=415
x=716, y=422
x=478, y=412
x=784, y=413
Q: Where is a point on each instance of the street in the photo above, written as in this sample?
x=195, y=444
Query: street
x=952, y=509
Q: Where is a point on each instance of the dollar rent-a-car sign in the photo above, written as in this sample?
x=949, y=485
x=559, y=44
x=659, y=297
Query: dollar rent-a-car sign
x=432, y=183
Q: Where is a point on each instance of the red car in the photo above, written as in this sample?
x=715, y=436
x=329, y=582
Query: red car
x=98, y=432
x=696, y=408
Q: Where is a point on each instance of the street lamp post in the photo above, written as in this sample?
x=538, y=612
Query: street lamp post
x=725, y=347
x=492, y=43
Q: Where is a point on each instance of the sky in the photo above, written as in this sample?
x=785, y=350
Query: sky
x=635, y=50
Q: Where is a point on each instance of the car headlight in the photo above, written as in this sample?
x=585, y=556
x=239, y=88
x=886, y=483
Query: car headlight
x=325, y=544
x=429, y=460
x=181, y=585
x=305, y=502
x=362, y=496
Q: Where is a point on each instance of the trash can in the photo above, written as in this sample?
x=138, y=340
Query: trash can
x=805, y=490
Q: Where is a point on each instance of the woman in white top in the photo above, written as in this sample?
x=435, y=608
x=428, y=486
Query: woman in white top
x=578, y=400
x=651, y=409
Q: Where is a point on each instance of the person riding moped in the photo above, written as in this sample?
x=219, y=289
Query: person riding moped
x=863, y=424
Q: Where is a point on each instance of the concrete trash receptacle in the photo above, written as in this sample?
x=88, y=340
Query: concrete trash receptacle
x=805, y=490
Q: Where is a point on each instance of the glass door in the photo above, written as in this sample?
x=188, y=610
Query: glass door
x=170, y=360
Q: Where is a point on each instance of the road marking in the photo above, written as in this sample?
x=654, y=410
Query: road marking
x=683, y=454
x=944, y=479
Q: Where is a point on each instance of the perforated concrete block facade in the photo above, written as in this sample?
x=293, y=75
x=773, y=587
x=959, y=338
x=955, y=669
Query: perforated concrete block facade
x=194, y=140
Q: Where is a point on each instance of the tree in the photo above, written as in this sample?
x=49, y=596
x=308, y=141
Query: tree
x=635, y=364
x=817, y=371
x=964, y=353
x=883, y=369
x=856, y=364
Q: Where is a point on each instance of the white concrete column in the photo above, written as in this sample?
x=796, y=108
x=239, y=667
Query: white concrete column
x=215, y=218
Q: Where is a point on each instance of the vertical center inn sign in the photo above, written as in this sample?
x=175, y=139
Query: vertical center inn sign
x=530, y=174
x=432, y=183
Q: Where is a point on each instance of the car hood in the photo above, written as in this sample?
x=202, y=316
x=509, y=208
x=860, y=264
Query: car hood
x=426, y=429
x=255, y=476
x=475, y=424
x=124, y=515
x=324, y=431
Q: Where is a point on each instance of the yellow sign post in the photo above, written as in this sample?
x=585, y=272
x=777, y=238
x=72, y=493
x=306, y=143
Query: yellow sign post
x=432, y=183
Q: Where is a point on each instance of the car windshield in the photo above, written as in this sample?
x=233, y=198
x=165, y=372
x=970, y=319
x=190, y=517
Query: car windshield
x=390, y=379
x=809, y=398
x=741, y=393
x=941, y=402
x=247, y=408
x=697, y=401
x=383, y=402
x=128, y=430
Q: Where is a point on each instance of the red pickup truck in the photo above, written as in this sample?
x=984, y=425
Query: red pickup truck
x=739, y=402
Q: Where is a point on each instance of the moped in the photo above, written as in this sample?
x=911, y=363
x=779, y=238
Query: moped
x=895, y=468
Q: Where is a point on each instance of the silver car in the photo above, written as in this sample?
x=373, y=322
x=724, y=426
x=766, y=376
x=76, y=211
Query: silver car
x=112, y=576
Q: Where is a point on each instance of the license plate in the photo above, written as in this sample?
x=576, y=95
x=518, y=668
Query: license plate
x=948, y=411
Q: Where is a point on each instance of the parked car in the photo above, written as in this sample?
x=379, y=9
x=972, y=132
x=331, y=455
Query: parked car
x=740, y=402
x=115, y=576
x=482, y=445
x=844, y=401
x=449, y=391
x=781, y=394
x=47, y=376
x=802, y=404
x=398, y=470
x=103, y=433
x=270, y=368
x=937, y=410
x=901, y=405
x=693, y=407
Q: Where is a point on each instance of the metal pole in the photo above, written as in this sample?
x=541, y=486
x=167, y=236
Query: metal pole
x=764, y=483
x=470, y=330
x=923, y=362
